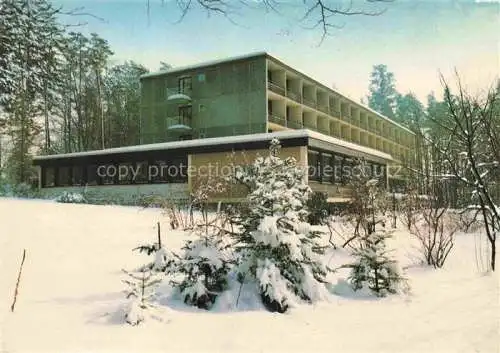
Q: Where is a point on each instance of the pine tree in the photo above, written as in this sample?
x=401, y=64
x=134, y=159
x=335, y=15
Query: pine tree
x=278, y=250
x=30, y=38
x=383, y=94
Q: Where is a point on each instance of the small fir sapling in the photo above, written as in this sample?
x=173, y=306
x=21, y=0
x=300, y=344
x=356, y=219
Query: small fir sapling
x=205, y=262
x=204, y=268
x=373, y=268
x=140, y=292
x=163, y=258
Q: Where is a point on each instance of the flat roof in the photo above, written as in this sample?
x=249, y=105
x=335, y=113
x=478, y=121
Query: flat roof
x=280, y=62
x=204, y=64
x=227, y=140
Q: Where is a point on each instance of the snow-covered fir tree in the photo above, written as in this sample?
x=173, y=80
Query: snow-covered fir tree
x=374, y=268
x=140, y=292
x=164, y=259
x=205, y=261
x=278, y=250
x=204, y=267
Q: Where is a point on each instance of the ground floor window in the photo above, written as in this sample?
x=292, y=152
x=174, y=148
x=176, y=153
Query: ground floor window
x=77, y=175
x=146, y=168
x=63, y=176
x=329, y=167
x=49, y=178
x=92, y=178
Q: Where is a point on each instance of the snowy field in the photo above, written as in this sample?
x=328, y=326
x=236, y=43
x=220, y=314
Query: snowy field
x=70, y=297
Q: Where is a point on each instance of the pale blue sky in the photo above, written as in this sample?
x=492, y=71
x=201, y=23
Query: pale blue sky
x=415, y=38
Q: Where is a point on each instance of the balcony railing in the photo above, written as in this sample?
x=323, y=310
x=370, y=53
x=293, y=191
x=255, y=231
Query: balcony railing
x=310, y=126
x=179, y=122
x=294, y=96
x=324, y=109
x=284, y=122
x=294, y=124
x=178, y=94
x=346, y=117
x=334, y=113
x=276, y=119
x=323, y=131
x=310, y=102
x=276, y=88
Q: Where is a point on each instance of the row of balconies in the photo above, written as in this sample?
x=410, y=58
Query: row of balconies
x=353, y=134
x=321, y=101
x=316, y=120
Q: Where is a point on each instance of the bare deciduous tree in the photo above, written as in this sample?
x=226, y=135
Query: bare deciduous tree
x=471, y=151
x=434, y=229
x=316, y=14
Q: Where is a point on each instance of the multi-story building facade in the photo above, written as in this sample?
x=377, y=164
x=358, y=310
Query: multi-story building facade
x=192, y=117
x=255, y=94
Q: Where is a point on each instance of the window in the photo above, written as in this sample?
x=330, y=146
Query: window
x=63, y=176
x=142, y=173
x=327, y=170
x=92, y=177
x=185, y=84
x=314, y=165
x=337, y=166
x=185, y=114
x=125, y=173
x=347, y=169
x=77, y=175
x=48, y=177
x=177, y=170
x=202, y=108
x=158, y=172
x=201, y=77
x=107, y=174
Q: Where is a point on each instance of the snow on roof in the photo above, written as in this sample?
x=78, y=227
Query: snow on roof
x=203, y=64
x=348, y=145
x=287, y=134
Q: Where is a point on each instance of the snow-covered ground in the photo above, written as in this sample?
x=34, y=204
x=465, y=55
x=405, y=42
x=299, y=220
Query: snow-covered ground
x=71, y=294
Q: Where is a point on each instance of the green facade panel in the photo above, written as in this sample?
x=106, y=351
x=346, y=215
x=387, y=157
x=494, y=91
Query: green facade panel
x=224, y=100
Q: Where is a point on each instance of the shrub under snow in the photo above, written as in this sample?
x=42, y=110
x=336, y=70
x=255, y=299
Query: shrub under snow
x=71, y=197
x=204, y=270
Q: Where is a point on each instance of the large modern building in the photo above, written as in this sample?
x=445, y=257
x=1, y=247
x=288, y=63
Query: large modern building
x=254, y=94
x=198, y=114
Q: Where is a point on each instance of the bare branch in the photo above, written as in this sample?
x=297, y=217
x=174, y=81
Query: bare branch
x=322, y=13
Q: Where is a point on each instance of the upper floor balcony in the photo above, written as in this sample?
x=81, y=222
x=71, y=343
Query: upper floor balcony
x=179, y=95
x=179, y=123
x=282, y=121
x=276, y=88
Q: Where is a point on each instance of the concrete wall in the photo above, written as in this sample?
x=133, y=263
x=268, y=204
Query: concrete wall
x=126, y=193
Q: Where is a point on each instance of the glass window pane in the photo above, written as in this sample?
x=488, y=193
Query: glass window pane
x=49, y=177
